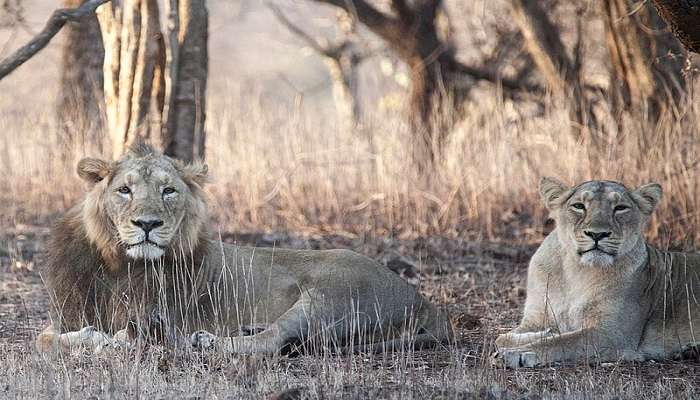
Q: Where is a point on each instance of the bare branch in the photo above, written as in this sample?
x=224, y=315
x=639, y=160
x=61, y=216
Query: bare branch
x=386, y=27
x=313, y=43
x=52, y=27
x=487, y=75
x=402, y=10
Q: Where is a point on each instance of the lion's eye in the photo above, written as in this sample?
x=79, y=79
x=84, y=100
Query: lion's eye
x=168, y=190
x=124, y=190
x=621, y=207
x=578, y=206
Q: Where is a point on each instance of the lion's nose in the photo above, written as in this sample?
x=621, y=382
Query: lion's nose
x=597, y=236
x=147, y=224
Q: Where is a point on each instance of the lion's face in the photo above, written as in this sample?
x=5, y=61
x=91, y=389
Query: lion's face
x=599, y=221
x=145, y=203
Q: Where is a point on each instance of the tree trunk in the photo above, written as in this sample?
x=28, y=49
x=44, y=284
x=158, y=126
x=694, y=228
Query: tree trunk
x=187, y=61
x=132, y=40
x=646, y=66
x=434, y=97
x=683, y=17
x=343, y=73
x=81, y=98
x=155, y=92
x=560, y=72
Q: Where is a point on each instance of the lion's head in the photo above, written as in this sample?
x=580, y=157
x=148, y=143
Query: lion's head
x=599, y=221
x=144, y=204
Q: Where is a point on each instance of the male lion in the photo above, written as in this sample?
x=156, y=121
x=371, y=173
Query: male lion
x=135, y=252
x=596, y=290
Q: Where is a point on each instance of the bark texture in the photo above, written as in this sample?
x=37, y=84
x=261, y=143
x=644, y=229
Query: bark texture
x=132, y=41
x=81, y=98
x=185, y=95
x=646, y=60
x=683, y=17
x=155, y=92
x=560, y=72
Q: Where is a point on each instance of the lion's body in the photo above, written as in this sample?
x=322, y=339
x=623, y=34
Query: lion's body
x=640, y=303
x=294, y=294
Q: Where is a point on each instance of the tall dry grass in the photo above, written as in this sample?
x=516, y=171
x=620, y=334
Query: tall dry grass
x=279, y=168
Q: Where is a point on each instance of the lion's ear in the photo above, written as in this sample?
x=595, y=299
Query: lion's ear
x=93, y=170
x=195, y=172
x=647, y=197
x=552, y=192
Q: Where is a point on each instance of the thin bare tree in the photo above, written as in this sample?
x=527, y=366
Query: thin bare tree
x=341, y=57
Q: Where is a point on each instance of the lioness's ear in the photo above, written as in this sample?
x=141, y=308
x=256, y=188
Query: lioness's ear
x=93, y=170
x=551, y=191
x=647, y=197
x=195, y=172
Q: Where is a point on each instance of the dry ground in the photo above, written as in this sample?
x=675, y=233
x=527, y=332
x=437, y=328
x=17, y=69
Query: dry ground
x=481, y=283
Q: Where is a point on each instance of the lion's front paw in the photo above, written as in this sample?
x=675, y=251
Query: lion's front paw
x=203, y=340
x=512, y=358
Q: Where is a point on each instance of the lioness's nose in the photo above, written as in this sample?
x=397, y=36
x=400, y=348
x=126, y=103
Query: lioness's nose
x=147, y=224
x=597, y=236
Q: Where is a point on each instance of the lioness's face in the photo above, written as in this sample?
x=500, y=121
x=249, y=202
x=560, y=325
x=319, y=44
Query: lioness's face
x=145, y=199
x=599, y=221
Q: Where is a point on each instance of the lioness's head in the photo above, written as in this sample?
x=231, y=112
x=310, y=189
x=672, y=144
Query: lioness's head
x=143, y=204
x=599, y=220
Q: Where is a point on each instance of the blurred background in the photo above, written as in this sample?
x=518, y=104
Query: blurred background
x=380, y=118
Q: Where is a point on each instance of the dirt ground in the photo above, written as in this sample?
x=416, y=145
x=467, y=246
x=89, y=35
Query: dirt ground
x=482, y=284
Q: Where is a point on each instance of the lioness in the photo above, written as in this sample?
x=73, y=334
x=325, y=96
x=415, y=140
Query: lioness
x=595, y=290
x=136, y=247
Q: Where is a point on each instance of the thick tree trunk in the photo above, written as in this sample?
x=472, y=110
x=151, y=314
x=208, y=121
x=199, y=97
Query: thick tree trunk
x=645, y=60
x=683, y=17
x=560, y=72
x=81, y=98
x=434, y=98
x=132, y=40
x=543, y=42
x=433, y=103
x=186, y=87
x=155, y=92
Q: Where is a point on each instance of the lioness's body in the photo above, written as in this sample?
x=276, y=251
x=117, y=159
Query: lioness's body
x=191, y=282
x=634, y=302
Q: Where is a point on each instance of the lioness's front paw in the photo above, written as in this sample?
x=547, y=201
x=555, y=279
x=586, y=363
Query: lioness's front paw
x=512, y=358
x=203, y=340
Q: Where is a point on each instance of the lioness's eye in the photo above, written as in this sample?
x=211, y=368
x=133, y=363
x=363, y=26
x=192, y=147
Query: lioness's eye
x=578, y=206
x=621, y=207
x=168, y=190
x=124, y=190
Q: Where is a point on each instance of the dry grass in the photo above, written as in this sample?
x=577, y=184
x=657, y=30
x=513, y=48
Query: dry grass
x=278, y=169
